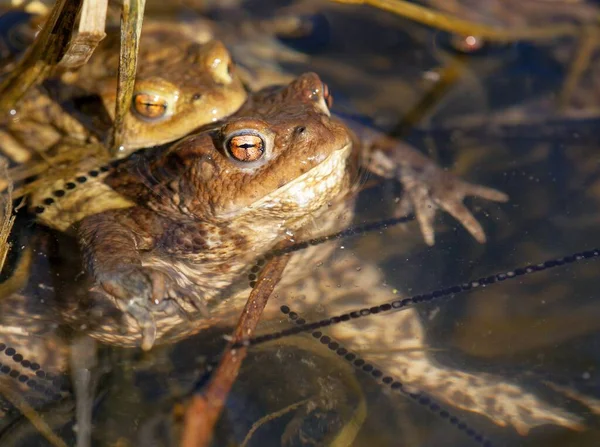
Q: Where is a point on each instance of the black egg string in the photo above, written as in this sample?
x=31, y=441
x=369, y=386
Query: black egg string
x=54, y=380
x=436, y=295
x=385, y=380
x=348, y=232
x=71, y=185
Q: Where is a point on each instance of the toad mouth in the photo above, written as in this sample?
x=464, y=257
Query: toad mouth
x=309, y=186
x=306, y=188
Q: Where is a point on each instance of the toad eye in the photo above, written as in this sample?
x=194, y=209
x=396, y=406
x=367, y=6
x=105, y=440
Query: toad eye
x=149, y=106
x=246, y=147
x=320, y=94
x=327, y=95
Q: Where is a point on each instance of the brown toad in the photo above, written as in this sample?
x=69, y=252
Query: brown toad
x=205, y=208
x=183, y=80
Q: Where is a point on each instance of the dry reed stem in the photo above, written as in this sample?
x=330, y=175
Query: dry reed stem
x=132, y=17
x=446, y=22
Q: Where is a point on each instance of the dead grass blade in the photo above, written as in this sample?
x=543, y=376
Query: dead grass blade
x=92, y=23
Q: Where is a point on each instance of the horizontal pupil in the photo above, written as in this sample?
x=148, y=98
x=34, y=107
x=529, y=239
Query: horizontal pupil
x=247, y=145
x=151, y=105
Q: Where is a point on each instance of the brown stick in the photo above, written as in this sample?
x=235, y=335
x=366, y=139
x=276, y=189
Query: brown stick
x=204, y=410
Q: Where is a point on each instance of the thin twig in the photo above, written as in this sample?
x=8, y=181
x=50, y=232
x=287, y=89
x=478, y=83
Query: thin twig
x=446, y=22
x=131, y=28
x=204, y=410
x=49, y=47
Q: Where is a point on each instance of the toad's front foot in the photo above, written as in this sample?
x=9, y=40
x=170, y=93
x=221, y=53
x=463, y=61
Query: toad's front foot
x=137, y=292
x=141, y=292
x=427, y=186
x=431, y=188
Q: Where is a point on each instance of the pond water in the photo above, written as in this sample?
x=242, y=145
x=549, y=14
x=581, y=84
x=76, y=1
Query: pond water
x=498, y=124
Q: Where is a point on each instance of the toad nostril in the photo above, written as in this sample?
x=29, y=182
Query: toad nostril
x=300, y=130
x=196, y=96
